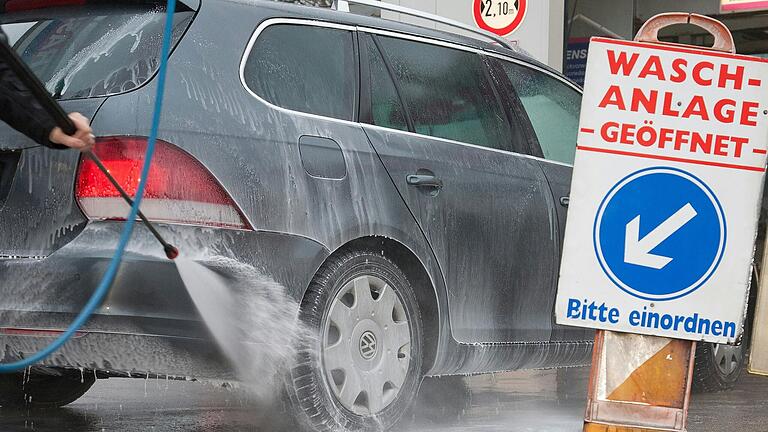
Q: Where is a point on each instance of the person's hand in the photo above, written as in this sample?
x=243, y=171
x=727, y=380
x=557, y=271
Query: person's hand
x=82, y=139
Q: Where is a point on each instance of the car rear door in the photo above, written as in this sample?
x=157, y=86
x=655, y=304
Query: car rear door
x=549, y=106
x=445, y=139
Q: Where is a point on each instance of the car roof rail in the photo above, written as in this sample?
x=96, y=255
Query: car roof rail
x=343, y=6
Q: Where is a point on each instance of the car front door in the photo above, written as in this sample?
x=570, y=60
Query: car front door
x=551, y=106
x=446, y=141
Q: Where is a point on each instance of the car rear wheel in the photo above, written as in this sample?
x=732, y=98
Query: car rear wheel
x=51, y=389
x=360, y=368
x=717, y=367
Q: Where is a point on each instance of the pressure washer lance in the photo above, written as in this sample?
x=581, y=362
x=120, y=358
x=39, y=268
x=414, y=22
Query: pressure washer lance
x=170, y=251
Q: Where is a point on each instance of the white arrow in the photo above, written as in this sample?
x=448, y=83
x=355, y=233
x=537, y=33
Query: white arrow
x=638, y=251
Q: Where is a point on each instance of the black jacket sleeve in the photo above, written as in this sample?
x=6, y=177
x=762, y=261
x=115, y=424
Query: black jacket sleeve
x=20, y=109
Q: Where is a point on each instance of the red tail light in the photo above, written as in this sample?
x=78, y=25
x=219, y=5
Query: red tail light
x=179, y=188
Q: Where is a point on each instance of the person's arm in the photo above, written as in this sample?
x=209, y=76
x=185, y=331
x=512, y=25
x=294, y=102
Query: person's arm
x=82, y=139
x=20, y=110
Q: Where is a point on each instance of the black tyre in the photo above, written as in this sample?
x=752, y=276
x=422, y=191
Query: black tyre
x=360, y=367
x=717, y=367
x=51, y=389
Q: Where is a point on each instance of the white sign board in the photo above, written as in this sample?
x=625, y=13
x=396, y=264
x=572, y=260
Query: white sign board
x=666, y=189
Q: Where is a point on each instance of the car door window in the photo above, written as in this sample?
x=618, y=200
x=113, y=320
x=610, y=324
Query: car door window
x=305, y=68
x=447, y=93
x=553, y=108
x=386, y=107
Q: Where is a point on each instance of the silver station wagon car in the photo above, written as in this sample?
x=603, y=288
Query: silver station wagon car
x=405, y=188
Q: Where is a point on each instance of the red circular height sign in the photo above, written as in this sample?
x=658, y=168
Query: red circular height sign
x=501, y=17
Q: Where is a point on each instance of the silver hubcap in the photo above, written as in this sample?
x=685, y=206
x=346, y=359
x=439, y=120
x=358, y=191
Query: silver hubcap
x=727, y=358
x=366, y=345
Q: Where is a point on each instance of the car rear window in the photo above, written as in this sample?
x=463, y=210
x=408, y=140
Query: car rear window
x=91, y=50
x=304, y=68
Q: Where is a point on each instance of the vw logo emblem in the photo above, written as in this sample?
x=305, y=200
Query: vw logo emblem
x=368, y=345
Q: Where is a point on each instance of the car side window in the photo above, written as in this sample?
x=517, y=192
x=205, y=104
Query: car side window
x=553, y=108
x=448, y=93
x=386, y=107
x=305, y=68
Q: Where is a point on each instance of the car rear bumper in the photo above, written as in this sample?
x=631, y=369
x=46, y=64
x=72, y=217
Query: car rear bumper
x=125, y=354
x=148, y=321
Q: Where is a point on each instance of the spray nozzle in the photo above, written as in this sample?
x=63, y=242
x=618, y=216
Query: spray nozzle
x=170, y=251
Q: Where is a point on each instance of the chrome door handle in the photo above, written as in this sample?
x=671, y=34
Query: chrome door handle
x=426, y=181
x=564, y=201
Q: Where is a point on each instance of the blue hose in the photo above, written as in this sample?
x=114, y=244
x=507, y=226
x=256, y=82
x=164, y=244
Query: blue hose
x=106, y=282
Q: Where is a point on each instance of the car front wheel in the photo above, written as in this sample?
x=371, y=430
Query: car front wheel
x=360, y=368
x=717, y=367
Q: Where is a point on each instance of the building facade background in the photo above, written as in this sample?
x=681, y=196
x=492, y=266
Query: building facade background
x=556, y=32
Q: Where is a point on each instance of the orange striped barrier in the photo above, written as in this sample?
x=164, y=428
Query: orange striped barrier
x=638, y=383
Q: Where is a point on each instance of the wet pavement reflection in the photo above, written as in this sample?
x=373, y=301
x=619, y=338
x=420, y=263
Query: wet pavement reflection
x=549, y=400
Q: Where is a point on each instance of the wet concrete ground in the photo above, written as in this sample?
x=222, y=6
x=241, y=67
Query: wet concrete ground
x=519, y=401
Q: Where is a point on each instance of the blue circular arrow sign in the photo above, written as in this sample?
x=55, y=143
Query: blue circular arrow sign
x=659, y=233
